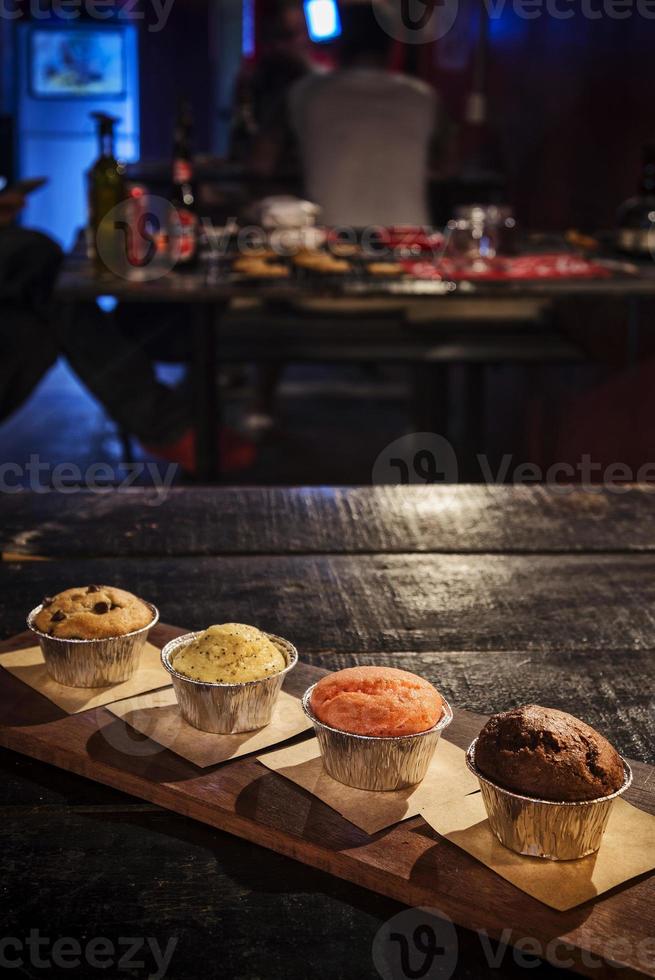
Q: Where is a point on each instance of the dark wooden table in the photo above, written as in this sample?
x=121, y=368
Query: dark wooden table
x=499, y=596
x=79, y=281
x=413, y=322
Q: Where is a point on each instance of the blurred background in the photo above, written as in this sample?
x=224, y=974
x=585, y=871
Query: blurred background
x=539, y=146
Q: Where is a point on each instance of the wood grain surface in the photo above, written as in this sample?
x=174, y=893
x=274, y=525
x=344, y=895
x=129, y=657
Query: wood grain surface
x=408, y=862
x=197, y=521
x=382, y=603
x=498, y=595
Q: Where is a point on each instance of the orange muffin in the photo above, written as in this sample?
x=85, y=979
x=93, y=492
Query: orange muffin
x=377, y=701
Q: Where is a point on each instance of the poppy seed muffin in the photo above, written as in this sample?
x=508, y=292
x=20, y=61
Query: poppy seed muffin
x=377, y=701
x=92, y=612
x=230, y=653
x=547, y=754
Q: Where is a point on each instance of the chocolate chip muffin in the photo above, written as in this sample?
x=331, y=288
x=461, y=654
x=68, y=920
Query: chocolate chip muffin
x=547, y=754
x=92, y=612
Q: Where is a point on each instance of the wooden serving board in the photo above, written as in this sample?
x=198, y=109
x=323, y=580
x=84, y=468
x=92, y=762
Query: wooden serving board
x=408, y=862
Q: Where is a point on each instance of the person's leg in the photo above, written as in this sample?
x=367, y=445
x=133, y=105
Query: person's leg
x=29, y=263
x=115, y=368
x=100, y=349
x=26, y=353
x=113, y=356
x=260, y=420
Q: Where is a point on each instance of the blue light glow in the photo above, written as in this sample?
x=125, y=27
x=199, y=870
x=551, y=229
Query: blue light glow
x=248, y=29
x=107, y=303
x=323, y=21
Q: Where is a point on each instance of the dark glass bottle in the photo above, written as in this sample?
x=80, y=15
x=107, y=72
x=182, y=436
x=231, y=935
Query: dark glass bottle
x=636, y=234
x=106, y=184
x=243, y=127
x=185, y=233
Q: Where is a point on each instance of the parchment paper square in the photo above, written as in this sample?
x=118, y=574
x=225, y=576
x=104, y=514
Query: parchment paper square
x=157, y=716
x=628, y=850
x=28, y=666
x=447, y=778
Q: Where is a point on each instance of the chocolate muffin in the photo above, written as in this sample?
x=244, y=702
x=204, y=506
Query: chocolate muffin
x=547, y=754
x=92, y=612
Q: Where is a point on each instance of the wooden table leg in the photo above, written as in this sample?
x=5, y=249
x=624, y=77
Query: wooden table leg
x=430, y=406
x=472, y=442
x=632, y=345
x=206, y=397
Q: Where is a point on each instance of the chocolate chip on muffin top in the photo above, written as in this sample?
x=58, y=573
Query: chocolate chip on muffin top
x=92, y=612
x=547, y=754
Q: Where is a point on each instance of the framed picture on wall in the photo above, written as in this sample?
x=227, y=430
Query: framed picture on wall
x=77, y=63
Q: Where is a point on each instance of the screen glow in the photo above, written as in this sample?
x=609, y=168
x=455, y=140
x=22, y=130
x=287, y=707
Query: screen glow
x=323, y=21
x=77, y=63
x=248, y=29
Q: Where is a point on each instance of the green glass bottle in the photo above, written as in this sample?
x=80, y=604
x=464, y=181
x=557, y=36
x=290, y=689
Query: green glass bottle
x=106, y=191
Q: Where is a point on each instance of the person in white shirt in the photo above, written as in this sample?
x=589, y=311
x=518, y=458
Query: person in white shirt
x=366, y=137
x=365, y=133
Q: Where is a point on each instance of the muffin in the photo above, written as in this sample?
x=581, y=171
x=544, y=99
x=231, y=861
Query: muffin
x=245, y=263
x=92, y=612
x=272, y=270
x=548, y=782
x=377, y=701
x=228, y=678
x=307, y=257
x=230, y=654
x=548, y=754
x=345, y=250
x=385, y=269
x=377, y=727
x=260, y=268
x=321, y=262
x=92, y=636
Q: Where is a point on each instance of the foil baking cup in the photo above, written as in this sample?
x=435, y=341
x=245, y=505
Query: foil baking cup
x=226, y=709
x=372, y=761
x=545, y=828
x=92, y=663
